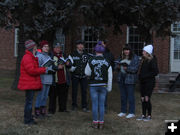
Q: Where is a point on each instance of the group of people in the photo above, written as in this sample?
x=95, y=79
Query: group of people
x=80, y=67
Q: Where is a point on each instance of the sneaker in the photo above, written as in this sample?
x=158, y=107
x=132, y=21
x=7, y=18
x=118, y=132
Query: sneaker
x=121, y=114
x=147, y=118
x=131, y=115
x=141, y=118
x=85, y=110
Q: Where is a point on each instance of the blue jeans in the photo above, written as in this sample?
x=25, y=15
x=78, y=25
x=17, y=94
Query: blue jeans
x=98, y=95
x=28, y=106
x=127, y=94
x=42, y=96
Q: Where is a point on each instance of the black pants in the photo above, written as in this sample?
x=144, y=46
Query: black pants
x=83, y=83
x=60, y=91
x=146, y=89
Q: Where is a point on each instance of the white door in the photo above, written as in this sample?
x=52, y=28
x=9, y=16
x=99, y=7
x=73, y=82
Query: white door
x=175, y=53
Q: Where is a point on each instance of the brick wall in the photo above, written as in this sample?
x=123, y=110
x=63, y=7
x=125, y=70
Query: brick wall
x=7, y=59
x=115, y=44
x=162, y=51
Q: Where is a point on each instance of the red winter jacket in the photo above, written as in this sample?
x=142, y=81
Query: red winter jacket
x=30, y=73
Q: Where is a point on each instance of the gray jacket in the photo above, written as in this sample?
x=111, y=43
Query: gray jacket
x=45, y=78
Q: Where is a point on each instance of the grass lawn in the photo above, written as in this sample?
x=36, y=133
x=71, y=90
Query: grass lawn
x=165, y=106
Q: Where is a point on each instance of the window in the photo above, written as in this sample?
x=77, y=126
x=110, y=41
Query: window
x=90, y=36
x=60, y=37
x=175, y=28
x=16, y=41
x=135, y=40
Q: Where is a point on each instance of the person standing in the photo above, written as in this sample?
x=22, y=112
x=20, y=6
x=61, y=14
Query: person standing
x=61, y=81
x=29, y=80
x=127, y=67
x=79, y=60
x=100, y=72
x=110, y=57
x=46, y=80
x=147, y=72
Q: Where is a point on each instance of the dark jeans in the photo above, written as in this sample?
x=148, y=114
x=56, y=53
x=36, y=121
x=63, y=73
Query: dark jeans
x=60, y=91
x=29, y=94
x=127, y=94
x=83, y=83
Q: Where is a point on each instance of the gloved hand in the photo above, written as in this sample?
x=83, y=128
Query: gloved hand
x=50, y=70
x=72, y=69
x=109, y=89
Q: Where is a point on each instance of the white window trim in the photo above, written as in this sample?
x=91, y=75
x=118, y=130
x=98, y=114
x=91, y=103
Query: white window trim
x=16, y=41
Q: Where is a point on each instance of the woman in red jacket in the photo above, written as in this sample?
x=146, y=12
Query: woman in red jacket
x=29, y=80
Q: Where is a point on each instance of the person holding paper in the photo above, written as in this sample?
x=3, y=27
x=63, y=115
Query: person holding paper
x=61, y=81
x=127, y=77
x=29, y=80
x=79, y=59
x=46, y=79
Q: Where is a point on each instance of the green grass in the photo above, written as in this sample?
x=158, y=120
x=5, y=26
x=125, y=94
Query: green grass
x=165, y=106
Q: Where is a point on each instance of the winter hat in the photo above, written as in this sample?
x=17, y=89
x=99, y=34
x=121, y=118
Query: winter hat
x=127, y=47
x=57, y=45
x=99, y=47
x=148, y=49
x=43, y=42
x=79, y=42
x=29, y=44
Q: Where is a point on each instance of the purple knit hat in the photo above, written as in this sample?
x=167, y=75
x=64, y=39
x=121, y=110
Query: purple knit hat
x=99, y=48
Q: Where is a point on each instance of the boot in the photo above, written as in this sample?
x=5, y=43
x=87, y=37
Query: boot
x=44, y=111
x=101, y=125
x=37, y=112
x=95, y=125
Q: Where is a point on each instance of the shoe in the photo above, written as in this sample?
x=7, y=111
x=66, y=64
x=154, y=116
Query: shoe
x=85, y=110
x=121, y=114
x=101, y=125
x=31, y=123
x=64, y=111
x=147, y=118
x=95, y=125
x=74, y=108
x=131, y=115
x=141, y=118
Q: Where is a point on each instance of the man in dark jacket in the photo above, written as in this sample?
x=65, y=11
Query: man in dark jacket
x=79, y=60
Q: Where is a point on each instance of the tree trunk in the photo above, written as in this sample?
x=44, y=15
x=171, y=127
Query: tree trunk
x=21, y=49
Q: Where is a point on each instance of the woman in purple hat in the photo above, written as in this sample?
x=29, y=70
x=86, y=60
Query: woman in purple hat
x=100, y=72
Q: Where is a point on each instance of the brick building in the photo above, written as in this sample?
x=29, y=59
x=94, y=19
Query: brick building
x=167, y=50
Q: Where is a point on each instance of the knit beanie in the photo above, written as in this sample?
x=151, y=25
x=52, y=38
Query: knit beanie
x=148, y=49
x=79, y=42
x=99, y=48
x=43, y=42
x=58, y=45
x=29, y=44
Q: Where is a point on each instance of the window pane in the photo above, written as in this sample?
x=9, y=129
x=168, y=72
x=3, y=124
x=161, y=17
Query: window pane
x=135, y=41
x=176, y=55
x=90, y=39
